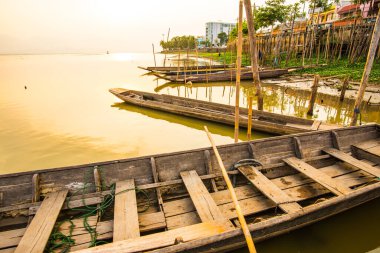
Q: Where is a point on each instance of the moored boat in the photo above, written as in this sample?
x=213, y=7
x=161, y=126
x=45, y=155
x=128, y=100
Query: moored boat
x=179, y=202
x=220, y=76
x=182, y=68
x=261, y=120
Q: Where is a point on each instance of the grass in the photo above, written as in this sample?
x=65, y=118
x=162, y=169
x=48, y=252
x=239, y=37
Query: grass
x=343, y=67
x=339, y=68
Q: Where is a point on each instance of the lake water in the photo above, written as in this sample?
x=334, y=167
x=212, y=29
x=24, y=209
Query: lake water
x=55, y=110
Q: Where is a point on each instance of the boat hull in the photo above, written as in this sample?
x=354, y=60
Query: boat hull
x=162, y=176
x=262, y=121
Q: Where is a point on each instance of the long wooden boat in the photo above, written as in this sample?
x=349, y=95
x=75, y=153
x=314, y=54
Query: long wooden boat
x=262, y=121
x=178, y=202
x=228, y=75
x=181, y=68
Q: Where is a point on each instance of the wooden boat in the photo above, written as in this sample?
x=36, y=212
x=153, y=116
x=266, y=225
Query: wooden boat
x=221, y=76
x=181, y=68
x=262, y=121
x=178, y=202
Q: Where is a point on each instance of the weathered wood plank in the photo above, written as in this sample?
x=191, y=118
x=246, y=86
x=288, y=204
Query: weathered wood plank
x=203, y=202
x=352, y=161
x=155, y=178
x=38, y=232
x=104, y=229
x=299, y=187
x=126, y=223
x=318, y=176
x=269, y=189
x=209, y=169
x=368, y=144
x=162, y=239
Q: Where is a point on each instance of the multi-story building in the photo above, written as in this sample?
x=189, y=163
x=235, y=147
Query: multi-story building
x=214, y=28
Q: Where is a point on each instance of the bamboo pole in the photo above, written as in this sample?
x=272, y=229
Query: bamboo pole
x=167, y=40
x=238, y=70
x=254, y=56
x=249, y=127
x=154, y=56
x=241, y=218
x=367, y=68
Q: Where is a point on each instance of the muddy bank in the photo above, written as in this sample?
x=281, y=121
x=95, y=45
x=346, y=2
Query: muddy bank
x=328, y=86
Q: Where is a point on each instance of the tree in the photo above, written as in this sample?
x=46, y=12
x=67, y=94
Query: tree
x=234, y=32
x=179, y=42
x=222, y=38
x=273, y=11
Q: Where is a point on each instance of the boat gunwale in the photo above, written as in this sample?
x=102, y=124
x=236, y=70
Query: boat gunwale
x=182, y=151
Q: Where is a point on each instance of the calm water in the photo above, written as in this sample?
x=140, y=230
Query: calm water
x=55, y=110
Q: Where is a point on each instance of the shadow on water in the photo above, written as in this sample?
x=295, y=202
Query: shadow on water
x=198, y=124
x=356, y=230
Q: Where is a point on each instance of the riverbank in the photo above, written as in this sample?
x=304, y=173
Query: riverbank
x=327, y=86
x=324, y=69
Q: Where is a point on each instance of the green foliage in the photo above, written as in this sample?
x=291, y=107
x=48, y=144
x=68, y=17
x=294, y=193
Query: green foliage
x=206, y=43
x=343, y=67
x=179, y=42
x=234, y=31
x=223, y=38
x=273, y=11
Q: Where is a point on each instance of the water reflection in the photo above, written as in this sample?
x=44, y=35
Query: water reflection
x=277, y=99
x=214, y=128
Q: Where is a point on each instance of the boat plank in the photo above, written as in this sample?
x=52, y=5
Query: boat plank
x=38, y=232
x=126, y=223
x=269, y=189
x=104, y=230
x=162, y=239
x=368, y=144
x=347, y=176
x=318, y=176
x=203, y=202
x=352, y=161
x=298, y=186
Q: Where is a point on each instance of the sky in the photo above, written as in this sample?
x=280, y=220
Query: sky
x=97, y=26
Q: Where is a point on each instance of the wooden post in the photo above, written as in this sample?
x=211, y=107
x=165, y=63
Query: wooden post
x=240, y=215
x=254, y=54
x=238, y=70
x=344, y=88
x=313, y=97
x=367, y=68
x=289, y=51
x=249, y=127
x=167, y=40
x=154, y=56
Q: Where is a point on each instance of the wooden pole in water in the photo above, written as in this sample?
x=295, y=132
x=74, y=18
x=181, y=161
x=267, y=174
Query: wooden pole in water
x=344, y=88
x=367, y=68
x=241, y=218
x=154, y=56
x=313, y=97
x=254, y=54
x=238, y=70
x=249, y=127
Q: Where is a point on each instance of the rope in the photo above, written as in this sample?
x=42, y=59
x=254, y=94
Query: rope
x=62, y=242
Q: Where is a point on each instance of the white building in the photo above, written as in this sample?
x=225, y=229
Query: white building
x=214, y=28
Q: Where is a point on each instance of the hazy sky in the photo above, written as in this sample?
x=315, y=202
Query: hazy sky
x=95, y=26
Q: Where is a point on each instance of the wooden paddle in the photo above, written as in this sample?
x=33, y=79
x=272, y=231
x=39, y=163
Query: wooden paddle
x=241, y=218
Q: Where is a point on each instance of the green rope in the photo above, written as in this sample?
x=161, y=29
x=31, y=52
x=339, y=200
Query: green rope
x=62, y=242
